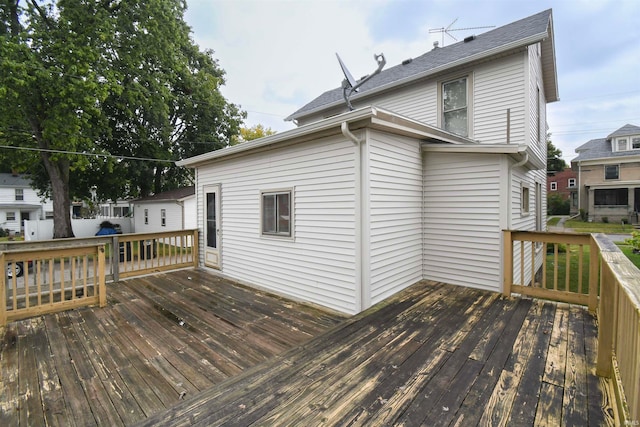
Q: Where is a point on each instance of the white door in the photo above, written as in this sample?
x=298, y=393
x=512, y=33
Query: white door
x=211, y=197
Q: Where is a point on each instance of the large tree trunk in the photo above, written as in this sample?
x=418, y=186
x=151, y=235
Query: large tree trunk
x=58, y=171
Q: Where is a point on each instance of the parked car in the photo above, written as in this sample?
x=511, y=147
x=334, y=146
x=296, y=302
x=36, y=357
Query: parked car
x=19, y=268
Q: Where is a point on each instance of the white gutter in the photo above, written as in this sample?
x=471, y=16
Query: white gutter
x=360, y=294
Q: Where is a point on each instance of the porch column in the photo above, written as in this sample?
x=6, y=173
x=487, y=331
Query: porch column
x=591, y=207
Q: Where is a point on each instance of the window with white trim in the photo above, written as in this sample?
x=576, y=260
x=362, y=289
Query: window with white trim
x=146, y=216
x=553, y=186
x=11, y=216
x=572, y=182
x=524, y=200
x=276, y=213
x=163, y=217
x=635, y=143
x=455, y=112
x=19, y=194
x=611, y=172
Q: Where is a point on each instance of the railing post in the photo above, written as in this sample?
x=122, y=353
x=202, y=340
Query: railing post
x=115, y=258
x=3, y=291
x=102, y=280
x=606, y=319
x=507, y=270
x=594, y=264
x=195, y=245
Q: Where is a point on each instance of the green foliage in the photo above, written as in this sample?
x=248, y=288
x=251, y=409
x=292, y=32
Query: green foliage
x=554, y=157
x=105, y=77
x=584, y=215
x=556, y=205
x=249, y=134
x=605, y=219
x=634, y=241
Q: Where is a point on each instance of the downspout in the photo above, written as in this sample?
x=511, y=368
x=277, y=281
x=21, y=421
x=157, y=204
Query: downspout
x=359, y=287
x=510, y=190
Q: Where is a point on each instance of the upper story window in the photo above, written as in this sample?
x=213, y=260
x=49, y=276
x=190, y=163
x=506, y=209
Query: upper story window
x=19, y=194
x=572, y=182
x=612, y=172
x=146, y=216
x=524, y=200
x=455, y=112
x=163, y=217
x=553, y=186
x=627, y=143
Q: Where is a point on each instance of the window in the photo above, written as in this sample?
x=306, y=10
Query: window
x=611, y=197
x=553, y=186
x=622, y=144
x=48, y=215
x=120, y=211
x=572, y=182
x=163, y=217
x=19, y=194
x=454, y=107
x=276, y=213
x=635, y=143
x=146, y=216
x=11, y=216
x=612, y=172
x=524, y=201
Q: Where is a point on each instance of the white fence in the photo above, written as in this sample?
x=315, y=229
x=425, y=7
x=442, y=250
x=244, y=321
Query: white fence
x=43, y=229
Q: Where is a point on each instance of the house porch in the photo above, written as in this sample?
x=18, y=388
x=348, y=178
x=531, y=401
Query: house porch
x=190, y=348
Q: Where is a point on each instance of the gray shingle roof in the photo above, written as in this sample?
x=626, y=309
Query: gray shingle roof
x=516, y=34
x=11, y=180
x=177, y=194
x=601, y=147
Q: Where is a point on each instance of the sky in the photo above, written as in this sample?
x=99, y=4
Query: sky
x=280, y=54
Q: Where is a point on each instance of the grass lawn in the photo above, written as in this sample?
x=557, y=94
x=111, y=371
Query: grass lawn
x=598, y=227
x=574, y=267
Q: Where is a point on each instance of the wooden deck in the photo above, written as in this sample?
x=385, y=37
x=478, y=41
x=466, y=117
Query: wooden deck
x=187, y=348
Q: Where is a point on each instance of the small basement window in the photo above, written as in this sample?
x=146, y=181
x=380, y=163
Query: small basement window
x=276, y=209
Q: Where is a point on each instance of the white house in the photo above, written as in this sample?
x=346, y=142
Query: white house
x=19, y=202
x=442, y=153
x=169, y=210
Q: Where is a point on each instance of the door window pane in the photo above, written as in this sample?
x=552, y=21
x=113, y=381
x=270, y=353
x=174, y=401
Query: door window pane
x=211, y=221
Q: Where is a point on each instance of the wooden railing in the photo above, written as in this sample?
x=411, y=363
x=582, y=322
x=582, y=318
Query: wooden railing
x=619, y=328
x=589, y=270
x=570, y=281
x=62, y=274
x=51, y=281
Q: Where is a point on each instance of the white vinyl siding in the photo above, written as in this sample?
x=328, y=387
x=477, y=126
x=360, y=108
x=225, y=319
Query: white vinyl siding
x=317, y=265
x=462, y=211
x=498, y=93
x=173, y=216
x=395, y=214
x=537, y=101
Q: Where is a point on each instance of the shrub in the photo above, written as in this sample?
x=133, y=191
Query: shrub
x=634, y=241
x=605, y=219
x=584, y=215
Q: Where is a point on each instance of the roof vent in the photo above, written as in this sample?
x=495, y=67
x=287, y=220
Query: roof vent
x=468, y=39
x=435, y=44
x=407, y=61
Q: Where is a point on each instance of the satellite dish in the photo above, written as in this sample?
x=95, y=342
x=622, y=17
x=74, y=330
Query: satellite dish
x=349, y=78
x=350, y=85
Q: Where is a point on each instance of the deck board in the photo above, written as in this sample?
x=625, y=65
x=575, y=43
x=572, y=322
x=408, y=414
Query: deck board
x=189, y=348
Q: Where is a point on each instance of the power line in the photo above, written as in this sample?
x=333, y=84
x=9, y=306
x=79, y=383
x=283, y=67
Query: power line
x=112, y=156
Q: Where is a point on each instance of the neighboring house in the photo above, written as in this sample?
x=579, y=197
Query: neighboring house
x=117, y=209
x=169, y=210
x=442, y=154
x=608, y=172
x=19, y=202
x=564, y=183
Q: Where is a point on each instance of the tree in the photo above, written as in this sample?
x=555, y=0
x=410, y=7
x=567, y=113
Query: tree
x=250, y=133
x=555, y=163
x=99, y=89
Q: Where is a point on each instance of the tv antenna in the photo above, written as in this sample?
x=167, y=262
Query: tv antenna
x=448, y=30
x=350, y=85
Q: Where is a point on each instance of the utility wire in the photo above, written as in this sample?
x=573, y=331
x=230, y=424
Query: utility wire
x=112, y=156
